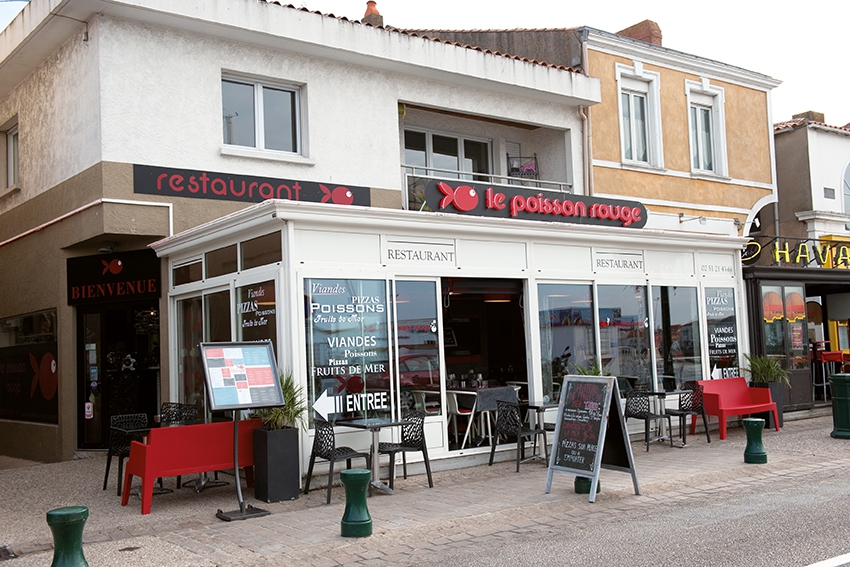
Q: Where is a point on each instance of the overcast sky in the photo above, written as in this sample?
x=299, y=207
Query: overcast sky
x=800, y=43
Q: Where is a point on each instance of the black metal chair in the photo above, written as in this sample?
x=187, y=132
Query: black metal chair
x=324, y=447
x=510, y=424
x=412, y=439
x=690, y=403
x=639, y=406
x=119, y=442
x=175, y=413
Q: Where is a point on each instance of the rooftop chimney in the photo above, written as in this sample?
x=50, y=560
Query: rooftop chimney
x=811, y=116
x=647, y=31
x=372, y=16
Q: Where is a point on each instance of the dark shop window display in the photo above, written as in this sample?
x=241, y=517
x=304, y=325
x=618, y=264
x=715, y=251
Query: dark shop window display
x=28, y=368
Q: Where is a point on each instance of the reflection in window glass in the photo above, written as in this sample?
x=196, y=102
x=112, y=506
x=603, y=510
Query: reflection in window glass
x=567, y=343
x=190, y=372
x=217, y=317
x=187, y=274
x=261, y=251
x=476, y=158
x=347, y=346
x=418, y=372
x=238, y=113
x=256, y=315
x=415, y=150
x=677, y=335
x=445, y=155
x=624, y=333
x=221, y=261
x=279, y=120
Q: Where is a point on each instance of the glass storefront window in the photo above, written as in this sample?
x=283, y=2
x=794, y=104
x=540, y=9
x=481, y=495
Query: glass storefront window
x=722, y=332
x=261, y=251
x=187, y=273
x=190, y=372
x=256, y=313
x=29, y=378
x=217, y=317
x=567, y=343
x=624, y=332
x=677, y=335
x=221, y=261
x=418, y=369
x=347, y=347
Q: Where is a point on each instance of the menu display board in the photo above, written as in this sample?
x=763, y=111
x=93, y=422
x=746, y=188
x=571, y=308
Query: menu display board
x=585, y=439
x=722, y=332
x=241, y=375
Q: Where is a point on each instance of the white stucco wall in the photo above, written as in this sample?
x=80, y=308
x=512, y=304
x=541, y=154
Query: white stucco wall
x=829, y=156
x=161, y=92
x=58, y=114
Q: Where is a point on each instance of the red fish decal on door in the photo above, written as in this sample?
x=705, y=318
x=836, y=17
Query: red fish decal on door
x=45, y=376
x=464, y=197
x=340, y=196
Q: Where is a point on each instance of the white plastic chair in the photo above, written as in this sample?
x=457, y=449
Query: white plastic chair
x=454, y=410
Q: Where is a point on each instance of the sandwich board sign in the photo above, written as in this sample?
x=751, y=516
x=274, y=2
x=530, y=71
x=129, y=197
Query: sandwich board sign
x=590, y=432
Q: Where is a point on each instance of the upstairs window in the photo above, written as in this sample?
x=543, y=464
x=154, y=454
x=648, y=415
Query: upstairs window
x=707, y=125
x=640, y=115
x=12, y=157
x=845, y=190
x=260, y=115
x=445, y=155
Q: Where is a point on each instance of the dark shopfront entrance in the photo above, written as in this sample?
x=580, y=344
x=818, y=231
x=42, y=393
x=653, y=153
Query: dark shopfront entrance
x=117, y=306
x=484, y=331
x=118, y=366
x=794, y=313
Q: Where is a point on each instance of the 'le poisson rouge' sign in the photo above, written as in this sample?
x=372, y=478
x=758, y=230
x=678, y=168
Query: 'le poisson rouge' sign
x=477, y=199
x=153, y=180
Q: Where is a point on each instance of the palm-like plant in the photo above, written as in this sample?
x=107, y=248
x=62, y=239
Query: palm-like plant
x=764, y=370
x=292, y=413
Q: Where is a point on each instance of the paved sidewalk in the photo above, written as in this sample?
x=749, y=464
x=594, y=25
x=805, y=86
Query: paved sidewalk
x=475, y=506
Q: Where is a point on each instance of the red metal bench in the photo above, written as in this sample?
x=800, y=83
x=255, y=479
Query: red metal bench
x=188, y=449
x=731, y=396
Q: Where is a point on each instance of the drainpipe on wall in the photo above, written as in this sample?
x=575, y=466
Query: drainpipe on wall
x=585, y=121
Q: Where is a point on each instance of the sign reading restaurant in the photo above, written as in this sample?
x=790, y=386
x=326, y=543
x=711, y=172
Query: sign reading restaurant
x=467, y=198
x=797, y=252
x=153, y=180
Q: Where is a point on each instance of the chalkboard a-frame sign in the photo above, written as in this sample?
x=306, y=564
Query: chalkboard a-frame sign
x=590, y=432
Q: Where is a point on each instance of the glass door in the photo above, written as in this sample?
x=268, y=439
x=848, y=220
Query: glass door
x=786, y=338
x=624, y=333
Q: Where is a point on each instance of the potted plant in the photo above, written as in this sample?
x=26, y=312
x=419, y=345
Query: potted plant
x=277, y=472
x=766, y=372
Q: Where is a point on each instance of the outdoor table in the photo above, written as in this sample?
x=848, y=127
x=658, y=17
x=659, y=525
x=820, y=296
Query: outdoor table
x=374, y=424
x=661, y=395
x=540, y=411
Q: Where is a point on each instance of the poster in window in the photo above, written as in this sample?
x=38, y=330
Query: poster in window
x=722, y=332
x=347, y=346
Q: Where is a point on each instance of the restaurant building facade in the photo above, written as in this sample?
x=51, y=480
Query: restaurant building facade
x=400, y=216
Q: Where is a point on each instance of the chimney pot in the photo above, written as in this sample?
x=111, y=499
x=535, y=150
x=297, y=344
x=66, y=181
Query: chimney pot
x=811, y=116
x=372, y=16
x=647, y=31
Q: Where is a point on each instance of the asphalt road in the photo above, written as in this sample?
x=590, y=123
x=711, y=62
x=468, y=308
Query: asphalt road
x=784, y=522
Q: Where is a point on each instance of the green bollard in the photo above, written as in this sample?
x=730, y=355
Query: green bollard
x=754, y=453
x=67, y=527
x=356, y=521
x=840, y=386
x=582, y=485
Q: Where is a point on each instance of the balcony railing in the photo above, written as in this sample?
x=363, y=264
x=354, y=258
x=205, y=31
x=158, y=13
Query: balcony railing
x=493, y=179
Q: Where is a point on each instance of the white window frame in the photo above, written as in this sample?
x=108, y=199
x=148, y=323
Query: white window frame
x=635, y=80
x=259, y=119
x=701, y=95
x=13, y=157
x=429, y=155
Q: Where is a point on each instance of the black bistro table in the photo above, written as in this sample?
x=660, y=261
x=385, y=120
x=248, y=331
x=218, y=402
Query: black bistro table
x=540, y=408
x=661, y=397
x=374, y=424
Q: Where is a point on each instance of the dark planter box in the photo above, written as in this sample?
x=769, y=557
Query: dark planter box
x=777, y=389
x=277, y=475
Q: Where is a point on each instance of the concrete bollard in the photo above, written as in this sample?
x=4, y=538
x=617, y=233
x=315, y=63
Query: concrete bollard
x=356, y=521
x=754, y=452
x=67, y=526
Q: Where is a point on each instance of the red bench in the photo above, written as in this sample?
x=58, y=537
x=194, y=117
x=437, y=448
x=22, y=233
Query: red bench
x=188, y=449
x=731, y=396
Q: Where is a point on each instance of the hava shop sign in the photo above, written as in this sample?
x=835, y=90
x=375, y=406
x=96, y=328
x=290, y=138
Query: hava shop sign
x=113, y=277
x=802, y=253
x=151, y=180
x=531, y=204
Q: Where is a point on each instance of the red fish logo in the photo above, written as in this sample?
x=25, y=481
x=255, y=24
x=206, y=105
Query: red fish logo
x=464, y=197
x=45, y=376
x=353, y=384
x=340, y=196
x=114, y=267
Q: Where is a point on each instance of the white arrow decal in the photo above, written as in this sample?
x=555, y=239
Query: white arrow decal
x=325, y=404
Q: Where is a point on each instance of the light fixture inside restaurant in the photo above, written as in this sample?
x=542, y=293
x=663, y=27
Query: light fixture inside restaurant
x=497, y=298
x=682, y=219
